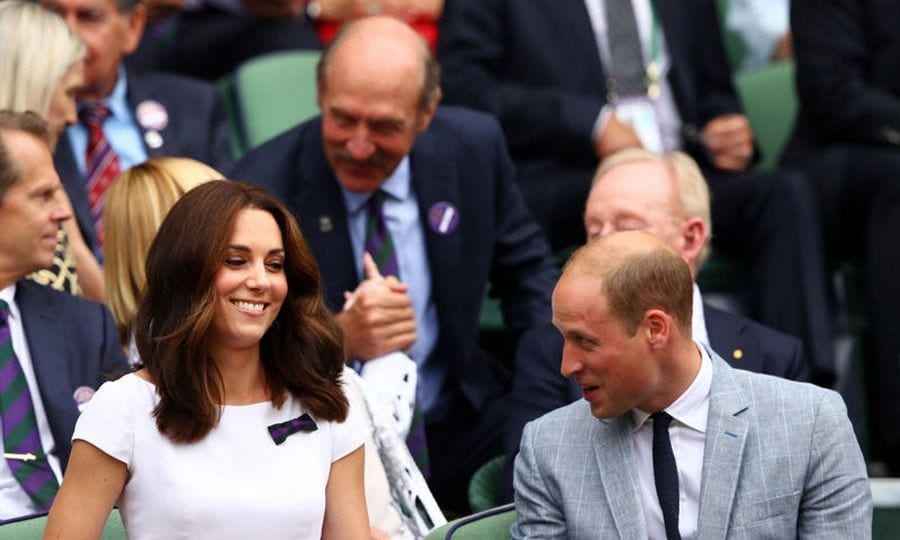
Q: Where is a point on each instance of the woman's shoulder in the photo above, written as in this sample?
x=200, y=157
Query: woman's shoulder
x=132, y=388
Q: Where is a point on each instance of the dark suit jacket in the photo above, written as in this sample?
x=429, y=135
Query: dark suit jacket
x=535, y=66
x=209, y=43
x=538, y=387
x=73, y=343
x=848, y=83
x=197, y=129
x=461, y=159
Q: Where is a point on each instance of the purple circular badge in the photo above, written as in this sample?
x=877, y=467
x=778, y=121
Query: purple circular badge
x=443, y=218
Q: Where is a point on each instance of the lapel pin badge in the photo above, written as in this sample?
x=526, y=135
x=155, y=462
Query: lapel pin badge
x=443, y=218
x=151, y=115
x=82, y=395
x=325, y=224
x=153, y=139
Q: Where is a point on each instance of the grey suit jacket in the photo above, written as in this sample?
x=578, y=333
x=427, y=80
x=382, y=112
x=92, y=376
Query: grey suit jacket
x=780, y=461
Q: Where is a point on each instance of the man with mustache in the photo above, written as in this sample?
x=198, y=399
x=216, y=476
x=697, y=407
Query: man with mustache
x=384, y=162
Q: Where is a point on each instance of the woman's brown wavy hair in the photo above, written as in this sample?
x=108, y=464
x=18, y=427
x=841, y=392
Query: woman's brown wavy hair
x=301, y=353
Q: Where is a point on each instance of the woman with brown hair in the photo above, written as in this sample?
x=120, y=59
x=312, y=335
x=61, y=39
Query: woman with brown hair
x=237, y=425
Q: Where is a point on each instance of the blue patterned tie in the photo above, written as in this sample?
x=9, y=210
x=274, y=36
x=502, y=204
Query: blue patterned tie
x=665, y=473
x=21, y=438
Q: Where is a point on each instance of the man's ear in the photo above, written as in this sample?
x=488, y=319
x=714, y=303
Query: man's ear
x=135, y=22
x=427, y=115
x=658, y=326
x=695, y=236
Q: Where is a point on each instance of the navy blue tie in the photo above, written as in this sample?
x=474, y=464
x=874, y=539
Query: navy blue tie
x=665, y=473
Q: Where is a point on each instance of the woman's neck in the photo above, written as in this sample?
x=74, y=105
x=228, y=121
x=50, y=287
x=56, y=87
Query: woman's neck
x=243, y=377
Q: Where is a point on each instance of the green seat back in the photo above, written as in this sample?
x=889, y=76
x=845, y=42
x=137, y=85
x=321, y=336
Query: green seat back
x=488, y=525
x=275, y=92
x=33, y=528
x=484, y=486
x=770, y=103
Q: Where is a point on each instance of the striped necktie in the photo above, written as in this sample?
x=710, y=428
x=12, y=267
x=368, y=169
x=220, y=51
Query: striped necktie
x=380, y=246
x=378, y=241
x=101, y=163
x=21, y=439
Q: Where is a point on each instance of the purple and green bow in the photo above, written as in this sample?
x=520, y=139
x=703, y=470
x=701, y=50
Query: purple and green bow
x=283, y=430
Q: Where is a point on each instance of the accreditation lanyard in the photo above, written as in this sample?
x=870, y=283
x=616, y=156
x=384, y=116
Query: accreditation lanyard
x=654, y=64
x=653, y=69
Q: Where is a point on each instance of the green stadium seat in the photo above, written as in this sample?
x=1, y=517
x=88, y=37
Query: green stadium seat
x=32, y=528
x=275, y=92
x=491, y=524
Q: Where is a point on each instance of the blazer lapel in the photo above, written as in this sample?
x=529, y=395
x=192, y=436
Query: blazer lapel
x=319, y=206
x=575, y=24
x=436, y=181
x=74, y=182
x=726, y=436
x=48, y=352
x=618, y=471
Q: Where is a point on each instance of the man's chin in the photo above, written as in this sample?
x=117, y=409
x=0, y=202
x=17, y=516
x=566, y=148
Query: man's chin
x=359, y=183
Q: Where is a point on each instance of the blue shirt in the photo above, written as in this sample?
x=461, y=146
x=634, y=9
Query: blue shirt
x=120, y=130
x=401, y=212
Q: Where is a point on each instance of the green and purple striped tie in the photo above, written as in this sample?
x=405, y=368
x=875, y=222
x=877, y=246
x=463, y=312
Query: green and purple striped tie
x=379, y=242
x=380, y=245
x=21, y=439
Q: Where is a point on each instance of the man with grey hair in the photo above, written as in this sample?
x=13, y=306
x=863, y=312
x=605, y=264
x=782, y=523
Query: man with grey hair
x=665, y=195
x=54, y=348
x=428, y=191
x=669, y=441
x=126, y=117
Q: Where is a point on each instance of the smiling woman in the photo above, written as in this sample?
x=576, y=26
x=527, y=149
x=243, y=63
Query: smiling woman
x=237, y=426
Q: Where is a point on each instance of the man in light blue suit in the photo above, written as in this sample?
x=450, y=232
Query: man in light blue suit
x=669, y=441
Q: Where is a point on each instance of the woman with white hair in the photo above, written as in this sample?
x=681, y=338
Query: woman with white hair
x=41, y=69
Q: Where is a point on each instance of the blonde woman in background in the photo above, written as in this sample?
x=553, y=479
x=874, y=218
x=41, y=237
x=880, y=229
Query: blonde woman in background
x=41, y=69
x=136, y=204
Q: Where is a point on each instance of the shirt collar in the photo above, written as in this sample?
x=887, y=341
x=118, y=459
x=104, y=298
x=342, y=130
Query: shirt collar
x=698, y=320
x=116, y=100
x=396, y=185
x=8, y=295
x=689, y=408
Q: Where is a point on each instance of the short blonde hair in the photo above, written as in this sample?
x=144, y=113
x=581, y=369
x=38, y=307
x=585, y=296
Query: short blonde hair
x=693, y=192
x=136, y=204
x=637, y=277
x=36, y=49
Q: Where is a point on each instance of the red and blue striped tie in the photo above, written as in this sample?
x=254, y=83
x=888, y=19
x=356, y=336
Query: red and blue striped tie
x=21, y=439
x=101, y=163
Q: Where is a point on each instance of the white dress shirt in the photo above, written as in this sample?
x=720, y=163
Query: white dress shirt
x=666, y=109
x=687, y=433
x=14, y=502
x=698, y=320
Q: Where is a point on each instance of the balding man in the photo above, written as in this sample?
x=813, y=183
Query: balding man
x=384, y=162
x=668, y=440
x=667, y=196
